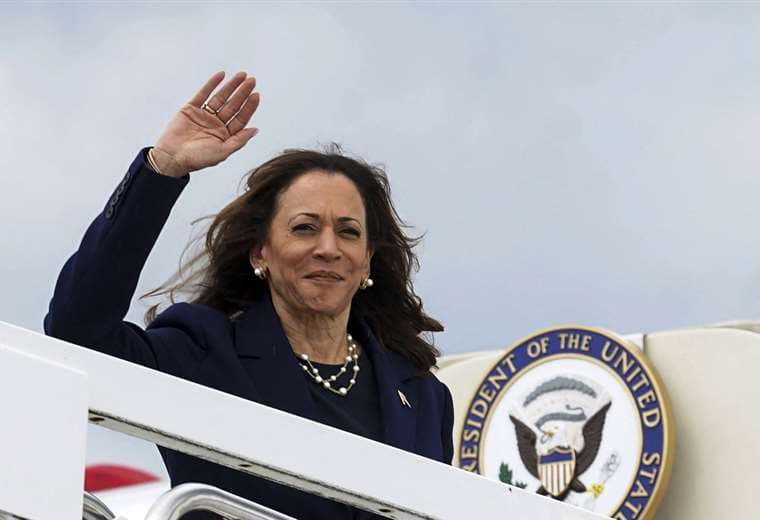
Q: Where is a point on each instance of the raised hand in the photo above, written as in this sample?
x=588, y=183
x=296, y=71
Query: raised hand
x=207, y=130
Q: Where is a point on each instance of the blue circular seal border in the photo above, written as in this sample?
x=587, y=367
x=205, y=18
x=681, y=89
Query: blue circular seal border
x=633, y=370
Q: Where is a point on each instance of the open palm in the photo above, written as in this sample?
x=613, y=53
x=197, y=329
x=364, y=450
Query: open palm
x=206, y=130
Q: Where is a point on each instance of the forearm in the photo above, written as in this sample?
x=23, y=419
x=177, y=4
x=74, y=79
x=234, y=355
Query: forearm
x=96, y=285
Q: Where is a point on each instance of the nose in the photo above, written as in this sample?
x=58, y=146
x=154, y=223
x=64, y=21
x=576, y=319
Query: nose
x=327, y=246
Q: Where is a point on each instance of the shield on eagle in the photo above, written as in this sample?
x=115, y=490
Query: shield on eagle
x=560, y=455
x=556, y=470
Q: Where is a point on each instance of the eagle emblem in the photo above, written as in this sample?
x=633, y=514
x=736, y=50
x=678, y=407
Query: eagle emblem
x=573, y=413
x=563, y=442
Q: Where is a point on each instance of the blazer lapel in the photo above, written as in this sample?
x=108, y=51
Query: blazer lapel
x=391, y=372
x=267, y=356
x=277, y=379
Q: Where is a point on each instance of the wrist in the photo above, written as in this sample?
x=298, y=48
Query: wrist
x=163, y=163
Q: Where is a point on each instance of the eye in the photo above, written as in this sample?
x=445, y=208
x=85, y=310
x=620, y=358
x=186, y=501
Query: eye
x=304, y=228
x=354, y=233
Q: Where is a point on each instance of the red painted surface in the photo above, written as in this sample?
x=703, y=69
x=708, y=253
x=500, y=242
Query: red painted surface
x=101, y=477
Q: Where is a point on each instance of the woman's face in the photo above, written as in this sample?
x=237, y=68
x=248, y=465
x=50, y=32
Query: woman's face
x=316, y=251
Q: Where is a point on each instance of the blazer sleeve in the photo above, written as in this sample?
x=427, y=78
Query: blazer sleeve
x=95, y=286
x=447, y=428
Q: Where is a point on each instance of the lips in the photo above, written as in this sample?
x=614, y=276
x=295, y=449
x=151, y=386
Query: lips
x=324, y=276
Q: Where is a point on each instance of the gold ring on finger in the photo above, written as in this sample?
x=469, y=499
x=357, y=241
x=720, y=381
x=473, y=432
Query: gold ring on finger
x=209, y=109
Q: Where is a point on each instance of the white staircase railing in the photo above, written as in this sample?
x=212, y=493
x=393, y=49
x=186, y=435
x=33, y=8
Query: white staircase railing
x=94, y=508
x=200, y=497
x=48, y=389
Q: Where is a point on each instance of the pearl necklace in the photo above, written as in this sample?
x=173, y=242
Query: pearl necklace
x=327, y=382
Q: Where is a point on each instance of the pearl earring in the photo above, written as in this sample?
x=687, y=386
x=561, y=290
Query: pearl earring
x=366, y=283
x=260, y=273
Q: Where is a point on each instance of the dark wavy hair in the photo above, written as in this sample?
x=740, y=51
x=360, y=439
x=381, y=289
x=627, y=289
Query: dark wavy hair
x=220, y=275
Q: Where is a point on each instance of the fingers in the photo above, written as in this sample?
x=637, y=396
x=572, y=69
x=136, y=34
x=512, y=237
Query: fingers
x=235, y=101
x=202, y=95
x=240, y=120
x=218, y=100
x=234, y=105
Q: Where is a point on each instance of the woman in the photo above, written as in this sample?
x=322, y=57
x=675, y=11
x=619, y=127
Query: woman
x=304, y=302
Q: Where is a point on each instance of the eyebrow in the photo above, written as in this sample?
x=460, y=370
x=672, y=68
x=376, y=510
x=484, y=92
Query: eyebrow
x=316, y=217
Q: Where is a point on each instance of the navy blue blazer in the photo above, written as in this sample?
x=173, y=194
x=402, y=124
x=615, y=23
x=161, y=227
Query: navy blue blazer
x=248, y=356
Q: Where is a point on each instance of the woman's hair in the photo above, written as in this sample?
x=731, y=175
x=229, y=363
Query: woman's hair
x=220, y=275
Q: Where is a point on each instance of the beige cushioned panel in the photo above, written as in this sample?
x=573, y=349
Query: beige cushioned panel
x=714, y=385
x=463, y=378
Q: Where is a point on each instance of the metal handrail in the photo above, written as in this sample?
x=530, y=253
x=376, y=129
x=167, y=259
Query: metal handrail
x=94, y=508
x=193, y=497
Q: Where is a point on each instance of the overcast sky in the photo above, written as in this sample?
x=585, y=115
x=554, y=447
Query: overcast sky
x=569, y=163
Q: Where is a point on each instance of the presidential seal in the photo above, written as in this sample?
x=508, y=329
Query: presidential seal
x=576, y=414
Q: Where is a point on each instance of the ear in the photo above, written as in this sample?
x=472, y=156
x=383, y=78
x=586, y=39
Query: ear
x=255, y=256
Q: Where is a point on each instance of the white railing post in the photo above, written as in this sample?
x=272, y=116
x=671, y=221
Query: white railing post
x=43, y=435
